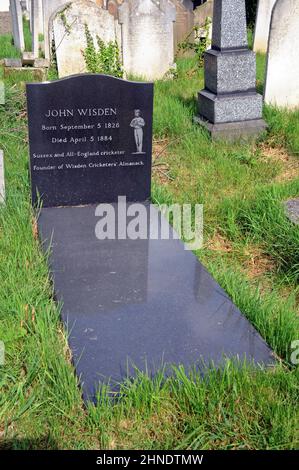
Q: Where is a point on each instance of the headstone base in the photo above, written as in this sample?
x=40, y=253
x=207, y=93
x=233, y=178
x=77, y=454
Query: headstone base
x=28, y=58
x=12, y=62
x=37, y=73
x=244, y=130
x=230, y=107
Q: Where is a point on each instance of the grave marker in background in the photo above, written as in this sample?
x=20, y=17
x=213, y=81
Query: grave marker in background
x=202, y=12
x=17, y=24
x=37, y=25
x=282, y=73
x=70, y=36
x=262, y=25
x=5, y=18
x=147, y=37
x=184, y=22
x=5, y=22
x=229, y=106
x=49, y=7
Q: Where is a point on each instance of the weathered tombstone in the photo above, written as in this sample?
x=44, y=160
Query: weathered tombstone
x=183, y=27
x=262, y=25
x=147, y=37
x=202, y=12
x=229, y=106
x=2, y=180
x=37, y=25
x=49, y=7
x=5, y=23
x=5, y=18
x=282, y=75
x=70, y=36
x=12, y=63
x=127, y=302
x=17, y=24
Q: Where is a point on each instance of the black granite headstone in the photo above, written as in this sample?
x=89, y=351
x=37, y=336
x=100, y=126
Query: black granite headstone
x=127, y=303
x=90, y=140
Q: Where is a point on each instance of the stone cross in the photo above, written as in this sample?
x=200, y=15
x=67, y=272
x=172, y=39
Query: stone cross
x=229, y=106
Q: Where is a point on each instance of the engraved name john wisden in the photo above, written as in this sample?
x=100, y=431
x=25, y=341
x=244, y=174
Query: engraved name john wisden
x=81, y=112
x=138, y=123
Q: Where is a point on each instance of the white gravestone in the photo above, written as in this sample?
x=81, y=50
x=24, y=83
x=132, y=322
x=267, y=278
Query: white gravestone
x=2, y=181
x=17, y=24
x=4, y=5
x=70, y=37
x=37, y=25
x=147, y=37
x=282, y=75
x=49, y=6
x=262, y=25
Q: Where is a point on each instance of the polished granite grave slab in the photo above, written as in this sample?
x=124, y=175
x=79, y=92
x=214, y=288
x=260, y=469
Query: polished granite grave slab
x=138, y=302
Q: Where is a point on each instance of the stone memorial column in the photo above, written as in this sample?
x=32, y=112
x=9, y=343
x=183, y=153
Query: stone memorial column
x=17, y=24
x=229, y=106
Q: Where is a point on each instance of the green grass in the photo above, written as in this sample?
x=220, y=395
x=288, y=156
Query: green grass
x=242, y=190
x=27, y=35
x=7, y=49
x=262, y=220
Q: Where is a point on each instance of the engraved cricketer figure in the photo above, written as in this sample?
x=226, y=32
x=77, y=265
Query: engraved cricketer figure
x=138, y=123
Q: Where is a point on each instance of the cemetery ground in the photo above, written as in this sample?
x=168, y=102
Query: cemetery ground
x=250, y=247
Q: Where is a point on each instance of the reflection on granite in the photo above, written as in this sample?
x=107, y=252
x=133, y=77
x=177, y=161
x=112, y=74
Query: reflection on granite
x=138, y=303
